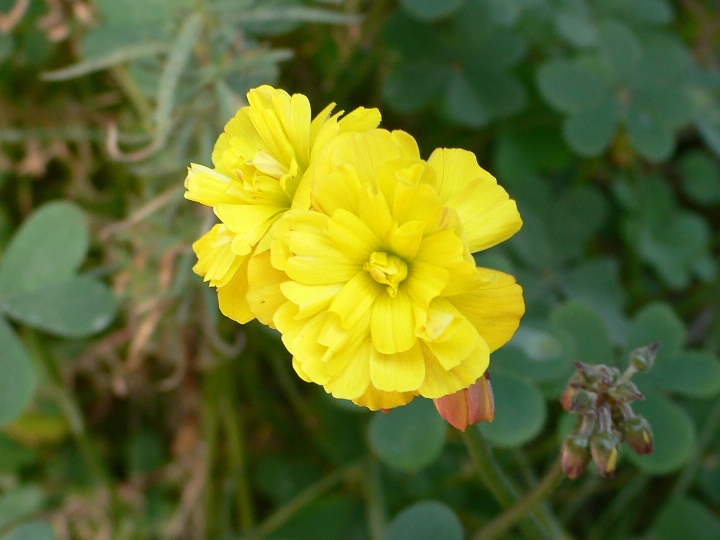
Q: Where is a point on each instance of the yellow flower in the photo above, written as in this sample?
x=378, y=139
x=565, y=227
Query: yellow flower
x=375, y=290
x=259, y=162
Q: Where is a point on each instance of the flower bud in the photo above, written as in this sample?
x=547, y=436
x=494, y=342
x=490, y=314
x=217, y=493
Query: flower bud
x=583, y=401
x=625, y=391
x=604, y=449
x=643, y=358
x=468, y=406
x=575, y=455
x=638, y=434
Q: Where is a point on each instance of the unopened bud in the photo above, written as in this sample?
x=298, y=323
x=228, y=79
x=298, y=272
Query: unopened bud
x=566, y=398
x=643, y=358
x=583, y=401
x=638, y=434
x=604, y=449
x=625, y=391
x=469, y=406
x=575, y=455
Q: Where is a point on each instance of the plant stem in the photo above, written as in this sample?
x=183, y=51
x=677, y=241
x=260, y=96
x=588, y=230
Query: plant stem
x=376, y=514
x=500, y=525
x=283, y=514
x=495, y=480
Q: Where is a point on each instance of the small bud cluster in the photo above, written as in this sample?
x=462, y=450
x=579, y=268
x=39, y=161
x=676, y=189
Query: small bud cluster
x=601, y=396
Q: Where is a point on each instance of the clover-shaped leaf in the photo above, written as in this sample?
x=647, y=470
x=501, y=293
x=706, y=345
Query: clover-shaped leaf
x=17, y=375
x=537, y=350
x=30, y=530
x=701, y=177
x=426, y=520
x=409, y=437
x=584, y=324
x=686, y=518
x=520, y=411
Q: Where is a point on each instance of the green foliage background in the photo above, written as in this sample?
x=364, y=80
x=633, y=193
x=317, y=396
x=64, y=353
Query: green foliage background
x=131, y=409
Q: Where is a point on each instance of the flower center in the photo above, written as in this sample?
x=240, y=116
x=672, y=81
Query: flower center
x=387, y=269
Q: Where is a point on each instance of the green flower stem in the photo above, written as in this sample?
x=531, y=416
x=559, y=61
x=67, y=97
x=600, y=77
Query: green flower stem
x=283, y=514
x=495, y=480
x=376, y=513
x=707, y=435
x=71, y=409
x=500, y=525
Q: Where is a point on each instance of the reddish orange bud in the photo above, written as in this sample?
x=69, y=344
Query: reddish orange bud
x=469, y=406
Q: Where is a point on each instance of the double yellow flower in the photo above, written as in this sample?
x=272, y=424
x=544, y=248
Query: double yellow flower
x=357, y=250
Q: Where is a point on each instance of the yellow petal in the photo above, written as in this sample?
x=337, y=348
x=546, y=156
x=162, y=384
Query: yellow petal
x=249, y=222
x=353, y=379
x=361, y=119
x=425, y=281
x=393, y=324
x=448, y=334
x=398, y=372
x=440, y=382
x=232, y=297
x=316, y=260
x=376, y=400
x=210, y=187
x=356, y=298
x=494, y=305
x=216, y=261
x=264, y=283
x=353, y=237
x=488, y=215
x=310, y=299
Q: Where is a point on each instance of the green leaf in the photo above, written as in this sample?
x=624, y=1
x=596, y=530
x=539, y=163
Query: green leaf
x=701, y=177
x=77, y=307
x=520, y=411
x=571, y=86
x=590, y=131
x=409, y=437
x=653, y=12
x=674, y=434
x=463, y=105
x=619, y=49
x=653, y=140
x=538, y=351
x=280, y=478
x=687, y=519
x=49, y=247
x=19, y=503
x=32, y=530
x=17, y=375
x=710, y=132
x=577, y=28
x=426, y=520
x=657, y=322
x=128, y=22
x=669, y=104
x=431, y=10
x=584, y=324
x=501, y=93
x=695, y=374
x=576, y=217
x=596, y=282
x=413, y=85
x=330, y=517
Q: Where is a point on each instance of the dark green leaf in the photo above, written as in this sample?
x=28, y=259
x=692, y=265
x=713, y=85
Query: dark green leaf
x=463, y=105
x=619, y=48
x=409, y=437
x=701, y=177
x=657, y=322
x=426, y=520
x=577, y=216
x=591, y=130
x=32, y=530
x=571, y=86
x=654, y=140
x=673, y=430
x=538, y=351
x=17, y=375
x=431, y=10
x=413, y=85
x=520, y=411
x=654, y=12
x=77, y=307
x=577, y=27
x=584, y=324
x=501, y=93
x=49, y=247
x=19, y=503
x=692, y=373
x=686, y=519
